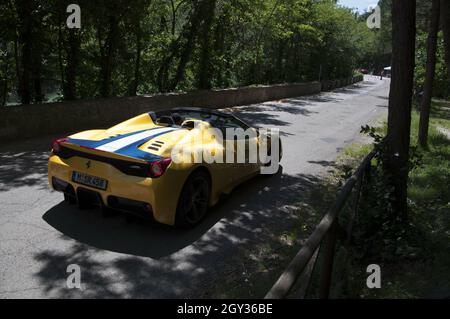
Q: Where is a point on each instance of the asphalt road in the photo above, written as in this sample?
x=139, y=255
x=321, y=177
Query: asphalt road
x=40, y=235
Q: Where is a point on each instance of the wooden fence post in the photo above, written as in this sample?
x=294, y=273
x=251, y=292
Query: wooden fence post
x=328, y=258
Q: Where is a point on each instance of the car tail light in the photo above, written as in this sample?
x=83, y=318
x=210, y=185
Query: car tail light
x=56, y=145
x=158, y=168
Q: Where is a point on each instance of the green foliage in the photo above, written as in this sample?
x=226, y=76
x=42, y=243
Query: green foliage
x=441, y=87
x=419, y=245
x=378, y=43
x=381, y=231
x=149, y=46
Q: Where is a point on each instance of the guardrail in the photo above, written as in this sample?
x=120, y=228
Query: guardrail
x=298, y=273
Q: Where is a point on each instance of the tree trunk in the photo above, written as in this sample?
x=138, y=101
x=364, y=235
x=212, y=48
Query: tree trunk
x=4, y=83
x=4, y=94
x=16, y=57
x=60, y=52
x=13, y=8
x=137, y=63
x=24, y=12
x=219, y=48
x=204, y=73
x=445, y=19
x=399, y=116
x=187, y=48
x=37, y=70
x=108, y=55
x=429, y=76
x=279, y=61
x=72, y=51
x=174, y=16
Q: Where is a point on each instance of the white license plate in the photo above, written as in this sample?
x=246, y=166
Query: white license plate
x=89, y=180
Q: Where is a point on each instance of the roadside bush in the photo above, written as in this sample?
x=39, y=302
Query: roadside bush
x=380, y=231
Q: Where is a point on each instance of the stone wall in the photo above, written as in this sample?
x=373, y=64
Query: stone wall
x=71, y=116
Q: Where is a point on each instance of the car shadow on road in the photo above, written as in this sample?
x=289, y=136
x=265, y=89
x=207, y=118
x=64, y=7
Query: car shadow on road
x=156, y=254
x=144, y=238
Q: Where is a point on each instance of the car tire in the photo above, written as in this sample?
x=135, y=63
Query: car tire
x=70, y=199
x=194, y=200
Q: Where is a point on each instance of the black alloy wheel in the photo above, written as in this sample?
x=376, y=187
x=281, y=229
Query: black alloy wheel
x=194, y=200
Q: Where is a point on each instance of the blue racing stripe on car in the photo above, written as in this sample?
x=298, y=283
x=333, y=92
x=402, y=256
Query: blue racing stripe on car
x=133, y=150
x=95, y=144
x=130, y=150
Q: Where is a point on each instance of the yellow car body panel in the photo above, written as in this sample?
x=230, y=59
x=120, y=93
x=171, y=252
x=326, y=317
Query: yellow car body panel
x=161, y=193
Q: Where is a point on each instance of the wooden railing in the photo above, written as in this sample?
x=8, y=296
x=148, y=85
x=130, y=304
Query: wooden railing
x=299, y=271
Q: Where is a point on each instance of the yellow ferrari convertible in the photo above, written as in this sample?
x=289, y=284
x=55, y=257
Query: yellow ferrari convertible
x=148, y=165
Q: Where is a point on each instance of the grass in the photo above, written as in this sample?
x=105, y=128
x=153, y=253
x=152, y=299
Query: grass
x=429, y=183
x=425, y=272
